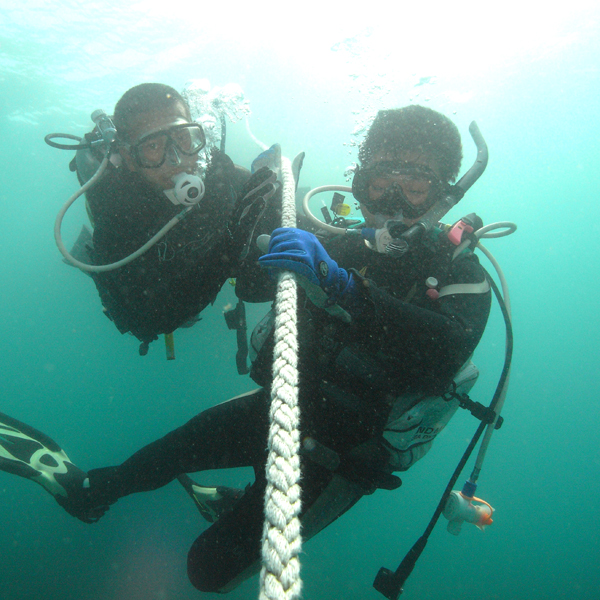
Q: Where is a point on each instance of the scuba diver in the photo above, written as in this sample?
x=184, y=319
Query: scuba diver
x=151, y=179
x=377, y=385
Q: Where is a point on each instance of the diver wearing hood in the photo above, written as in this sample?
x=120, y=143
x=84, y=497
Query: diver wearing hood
x=166, y=288
x=404, y=181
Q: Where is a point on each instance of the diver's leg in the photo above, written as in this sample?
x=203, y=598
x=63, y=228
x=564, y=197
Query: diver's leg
x=232, y=434
x=231, y=546
x=228, y=552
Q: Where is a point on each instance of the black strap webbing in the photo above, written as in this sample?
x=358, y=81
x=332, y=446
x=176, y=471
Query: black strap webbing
x=236, y=319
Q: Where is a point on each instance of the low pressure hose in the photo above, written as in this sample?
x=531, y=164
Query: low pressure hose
x=110, y=267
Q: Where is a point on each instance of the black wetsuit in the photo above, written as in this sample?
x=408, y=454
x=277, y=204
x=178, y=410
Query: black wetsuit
x=349, y=373
x=181, y=274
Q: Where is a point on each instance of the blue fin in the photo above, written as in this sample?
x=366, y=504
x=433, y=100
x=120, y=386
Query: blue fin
x=269, y=158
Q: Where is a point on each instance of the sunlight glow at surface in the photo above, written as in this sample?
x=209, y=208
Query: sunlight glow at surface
x=149, y=36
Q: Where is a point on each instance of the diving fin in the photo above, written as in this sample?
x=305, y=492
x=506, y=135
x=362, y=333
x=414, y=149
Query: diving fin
x=29, y=453
x=271, y=158
x=212, y=502
x=297, y=167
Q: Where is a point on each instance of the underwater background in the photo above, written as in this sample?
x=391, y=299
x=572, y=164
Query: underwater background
x=313, y=75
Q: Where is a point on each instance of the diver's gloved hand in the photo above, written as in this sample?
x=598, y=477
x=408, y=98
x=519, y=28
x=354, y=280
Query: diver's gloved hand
x=299, y=251
x=82, y=501
x=88, y=515
x=257, y=193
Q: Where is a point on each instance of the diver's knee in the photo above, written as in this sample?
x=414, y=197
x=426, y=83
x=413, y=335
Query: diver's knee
x=200, y=573
x=221, y=559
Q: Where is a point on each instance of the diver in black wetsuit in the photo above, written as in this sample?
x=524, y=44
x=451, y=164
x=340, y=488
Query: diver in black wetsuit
x=371, y=385
x=180, y=275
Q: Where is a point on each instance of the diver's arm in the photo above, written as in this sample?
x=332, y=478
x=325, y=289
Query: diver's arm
x=434, y=341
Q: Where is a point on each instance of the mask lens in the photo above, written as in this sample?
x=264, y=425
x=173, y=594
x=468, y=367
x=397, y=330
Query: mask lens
x=152, y=150
x=188, y=138
x=388, y=200
x=387, y=189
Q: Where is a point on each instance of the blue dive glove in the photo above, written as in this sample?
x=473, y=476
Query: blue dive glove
x=299, y=251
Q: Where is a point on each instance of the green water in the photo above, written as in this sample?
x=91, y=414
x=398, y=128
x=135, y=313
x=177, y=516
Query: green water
x=529, y=77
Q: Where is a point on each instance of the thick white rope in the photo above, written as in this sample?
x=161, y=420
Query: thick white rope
x=282, y=541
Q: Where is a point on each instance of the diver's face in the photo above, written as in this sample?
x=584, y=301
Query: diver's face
x=175, y=162
x=415, y=189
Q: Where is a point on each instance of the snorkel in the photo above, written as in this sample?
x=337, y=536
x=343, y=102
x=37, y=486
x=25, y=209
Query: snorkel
x=400, y=243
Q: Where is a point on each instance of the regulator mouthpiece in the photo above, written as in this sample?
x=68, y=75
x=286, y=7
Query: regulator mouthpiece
x=460, y=508
x=386, y=240
x=188, y=190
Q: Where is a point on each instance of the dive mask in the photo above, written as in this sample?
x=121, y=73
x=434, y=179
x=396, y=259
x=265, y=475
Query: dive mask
x=152, y=149
x=388, y=189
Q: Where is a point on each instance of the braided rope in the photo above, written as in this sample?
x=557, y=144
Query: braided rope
x=282, y=541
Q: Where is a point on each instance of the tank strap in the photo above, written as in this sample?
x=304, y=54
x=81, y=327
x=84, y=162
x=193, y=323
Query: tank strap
x=236, y=320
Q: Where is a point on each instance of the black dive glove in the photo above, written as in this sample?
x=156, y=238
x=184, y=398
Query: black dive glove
x=82, y=503
x=255, y=198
